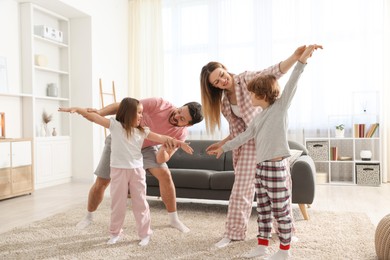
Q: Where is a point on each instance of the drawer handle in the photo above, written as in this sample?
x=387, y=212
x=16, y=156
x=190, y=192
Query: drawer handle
x=368, y=169
x=317, y=145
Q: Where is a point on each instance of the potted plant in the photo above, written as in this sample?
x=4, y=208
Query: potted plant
x=340, y=131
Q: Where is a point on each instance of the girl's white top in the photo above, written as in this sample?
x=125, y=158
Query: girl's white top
x=126, y=152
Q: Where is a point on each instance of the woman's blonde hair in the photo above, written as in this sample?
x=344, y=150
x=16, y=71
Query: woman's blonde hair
x=127, y=115
x=211, y=97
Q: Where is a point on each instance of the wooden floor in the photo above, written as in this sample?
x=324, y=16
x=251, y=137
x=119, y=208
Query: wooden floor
x=374, y=201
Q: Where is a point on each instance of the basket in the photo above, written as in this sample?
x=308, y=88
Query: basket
x=318, y=150
x=368, y=174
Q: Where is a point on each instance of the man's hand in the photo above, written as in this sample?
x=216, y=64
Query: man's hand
x=93, y=110
x=171, y=144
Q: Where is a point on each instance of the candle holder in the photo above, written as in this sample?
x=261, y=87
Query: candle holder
x=2, y=125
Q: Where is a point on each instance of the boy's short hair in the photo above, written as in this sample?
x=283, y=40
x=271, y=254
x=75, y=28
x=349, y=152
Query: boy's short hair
x=195, y=110
x=265, y=86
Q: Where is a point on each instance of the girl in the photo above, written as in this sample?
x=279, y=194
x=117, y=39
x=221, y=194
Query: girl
x=127, y=172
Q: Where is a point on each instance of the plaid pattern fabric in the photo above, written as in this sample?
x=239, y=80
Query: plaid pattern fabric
x=241, y=198
x=273, y=198
x=244, y=158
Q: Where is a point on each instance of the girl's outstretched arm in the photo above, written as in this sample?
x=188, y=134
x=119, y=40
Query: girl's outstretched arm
x=164, y=138
x=91, y=116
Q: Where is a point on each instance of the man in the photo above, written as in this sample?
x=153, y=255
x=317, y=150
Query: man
x=161, y=117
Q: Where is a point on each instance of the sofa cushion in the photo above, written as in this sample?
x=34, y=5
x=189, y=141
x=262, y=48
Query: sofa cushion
x=222, y=180
x=198, y=160
x=192, y=178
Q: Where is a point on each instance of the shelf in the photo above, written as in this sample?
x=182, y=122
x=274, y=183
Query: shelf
x=51, y=70
x=15, y=95
x=354, y=170
x=52, y=98
x=49, y=41
x=53, y=138
x=52, y=153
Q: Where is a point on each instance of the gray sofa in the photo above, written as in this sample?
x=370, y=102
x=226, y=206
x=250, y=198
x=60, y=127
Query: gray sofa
x=201, y=176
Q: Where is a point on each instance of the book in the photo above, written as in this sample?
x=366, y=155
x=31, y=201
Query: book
x=333, y=153
x=361, y=130
x=371, y=131
x=356, y=130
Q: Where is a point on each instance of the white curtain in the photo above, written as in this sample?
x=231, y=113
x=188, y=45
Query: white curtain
x=171, y=40
x=146, y=64
x=347, y=77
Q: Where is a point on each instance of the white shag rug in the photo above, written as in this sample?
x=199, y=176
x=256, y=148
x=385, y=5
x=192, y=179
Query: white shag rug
x=327, y=235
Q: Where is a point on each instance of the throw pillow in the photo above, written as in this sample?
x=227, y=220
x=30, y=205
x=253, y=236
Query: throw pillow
x=295, y=154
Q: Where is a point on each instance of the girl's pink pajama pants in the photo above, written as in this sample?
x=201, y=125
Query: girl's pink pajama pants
x=134, y=180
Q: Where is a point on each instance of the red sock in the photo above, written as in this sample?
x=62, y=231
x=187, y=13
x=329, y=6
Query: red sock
x=262, y=241
x=284, y=247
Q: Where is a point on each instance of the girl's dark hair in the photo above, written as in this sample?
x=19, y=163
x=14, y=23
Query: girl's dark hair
x=127, y=115
x=264, y=86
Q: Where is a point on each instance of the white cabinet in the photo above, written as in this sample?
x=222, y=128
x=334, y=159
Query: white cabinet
x=338, y=159
x=16, y=171
x=54, y=164
x=5, y=155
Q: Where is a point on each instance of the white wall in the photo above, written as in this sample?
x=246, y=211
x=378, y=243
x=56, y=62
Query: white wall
x=9, y=48
x=9, y=43
x=108, y=21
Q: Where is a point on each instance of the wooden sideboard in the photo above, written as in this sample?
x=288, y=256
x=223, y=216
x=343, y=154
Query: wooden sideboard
x=16, y=169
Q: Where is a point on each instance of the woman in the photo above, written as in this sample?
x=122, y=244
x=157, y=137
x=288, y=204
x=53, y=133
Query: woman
x=225, y=92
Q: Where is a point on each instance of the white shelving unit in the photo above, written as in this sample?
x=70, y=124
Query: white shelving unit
x=52, y=67
x=346, y=166
x=56, y=159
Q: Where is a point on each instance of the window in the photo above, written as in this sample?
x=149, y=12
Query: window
x=252, y=35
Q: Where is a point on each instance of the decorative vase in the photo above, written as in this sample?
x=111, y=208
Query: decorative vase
x=43, y=130
x=52, y=90
x=365, y=155
x=47, y=132
x=339, y=133
x=54, y=133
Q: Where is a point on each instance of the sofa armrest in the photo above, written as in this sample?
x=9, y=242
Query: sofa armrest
x=303, y=180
